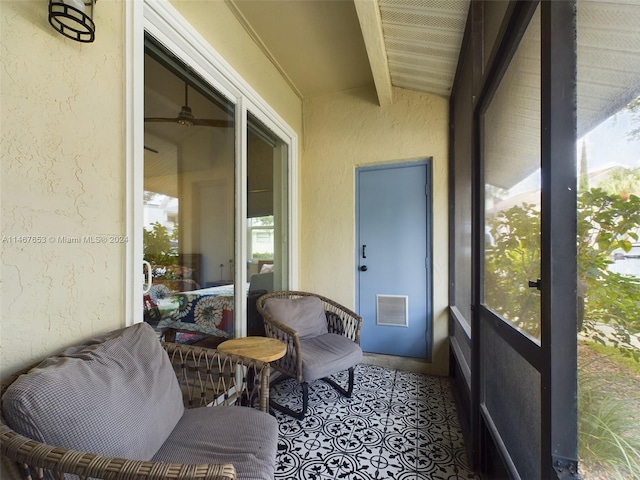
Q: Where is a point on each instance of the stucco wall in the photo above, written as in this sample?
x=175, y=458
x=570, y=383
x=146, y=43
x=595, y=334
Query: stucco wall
x=347, y=130
x=218, y=25
x=62, y=144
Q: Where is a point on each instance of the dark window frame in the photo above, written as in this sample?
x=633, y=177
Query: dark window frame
x=555, y=356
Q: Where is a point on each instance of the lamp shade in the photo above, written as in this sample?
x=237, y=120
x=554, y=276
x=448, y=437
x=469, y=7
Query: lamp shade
x=73, y=19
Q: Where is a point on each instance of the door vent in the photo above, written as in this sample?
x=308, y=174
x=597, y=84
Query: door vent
x=392, y=310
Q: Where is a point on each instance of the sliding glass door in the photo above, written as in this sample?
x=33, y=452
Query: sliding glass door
x=215, y=206
x=267, y=223
x=189, y=202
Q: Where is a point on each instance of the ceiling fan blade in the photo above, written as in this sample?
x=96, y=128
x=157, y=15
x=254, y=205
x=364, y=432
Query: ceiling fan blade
x=200, y=122
x=211, y=122
x=165, y=120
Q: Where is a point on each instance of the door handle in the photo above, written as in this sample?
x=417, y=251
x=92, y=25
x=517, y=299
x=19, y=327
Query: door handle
x=535, y=284
x=146, y=268
x=363, y=268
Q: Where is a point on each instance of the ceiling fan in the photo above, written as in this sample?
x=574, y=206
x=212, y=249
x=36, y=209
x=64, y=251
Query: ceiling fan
x=186, y=118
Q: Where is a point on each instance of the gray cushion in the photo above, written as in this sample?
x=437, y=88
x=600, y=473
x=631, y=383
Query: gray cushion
x=244, y=437
x=305, y=315
x=261, y=281
x=327, y=354
x=116, y=396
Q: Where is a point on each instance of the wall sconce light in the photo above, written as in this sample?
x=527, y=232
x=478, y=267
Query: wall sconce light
x=73, y=19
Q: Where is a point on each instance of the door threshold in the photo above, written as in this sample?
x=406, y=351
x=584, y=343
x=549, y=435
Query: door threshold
x=409, y=364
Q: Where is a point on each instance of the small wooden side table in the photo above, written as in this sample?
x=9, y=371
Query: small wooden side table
x=258, y=348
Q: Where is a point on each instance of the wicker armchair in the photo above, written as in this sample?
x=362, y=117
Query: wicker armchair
x=313, y=362
x=205, y=376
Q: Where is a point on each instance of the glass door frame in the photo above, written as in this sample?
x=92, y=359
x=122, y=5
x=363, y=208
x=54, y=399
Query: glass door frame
x=555, y=356
x=162, y=21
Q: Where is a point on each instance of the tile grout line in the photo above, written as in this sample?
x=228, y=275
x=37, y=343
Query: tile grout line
x=381, y=447
x=367, y=447
x=456, y=468
x=386, y=425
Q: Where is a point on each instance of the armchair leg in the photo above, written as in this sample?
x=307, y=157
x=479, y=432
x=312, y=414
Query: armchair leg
x=286, y=410
x=305, y=395
x=345, y=392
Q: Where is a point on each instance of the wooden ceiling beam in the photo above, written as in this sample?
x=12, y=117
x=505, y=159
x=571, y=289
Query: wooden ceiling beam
x=371, y=25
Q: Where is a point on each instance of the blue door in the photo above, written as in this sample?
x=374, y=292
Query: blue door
x=394, y=260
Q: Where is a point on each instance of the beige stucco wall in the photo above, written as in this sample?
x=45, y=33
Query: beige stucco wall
x=220, y=28
x=347, y=130
x=63, y=167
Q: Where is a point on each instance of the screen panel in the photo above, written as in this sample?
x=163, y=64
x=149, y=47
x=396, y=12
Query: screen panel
x=511, y=397
x=511, y=154
x=463, y=155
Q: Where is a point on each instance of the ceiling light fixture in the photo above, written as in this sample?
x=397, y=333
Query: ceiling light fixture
x=73, y=19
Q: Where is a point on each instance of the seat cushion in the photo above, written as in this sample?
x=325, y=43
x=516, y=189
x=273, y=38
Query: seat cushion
x=117, y=396
x=305, y=315
x=244, y=437
x=327, y=354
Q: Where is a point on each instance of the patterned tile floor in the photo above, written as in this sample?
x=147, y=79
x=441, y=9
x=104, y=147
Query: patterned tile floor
x=397, y=425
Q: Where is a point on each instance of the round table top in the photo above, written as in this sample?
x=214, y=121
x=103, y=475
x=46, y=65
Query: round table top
x=259, y=348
